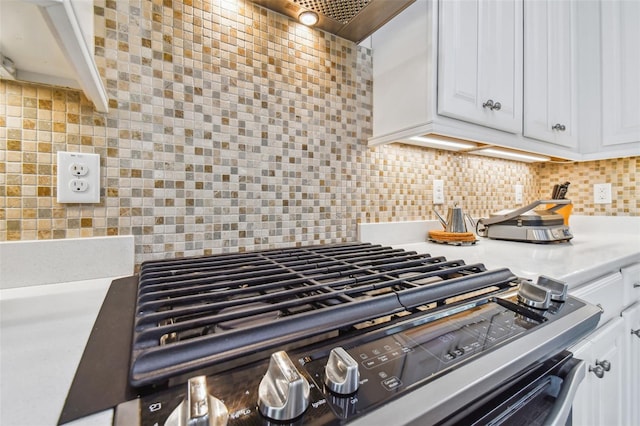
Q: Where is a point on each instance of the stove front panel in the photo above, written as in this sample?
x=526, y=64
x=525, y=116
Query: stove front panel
x=392, y=360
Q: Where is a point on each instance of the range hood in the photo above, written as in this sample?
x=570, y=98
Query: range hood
x=51, y=42
x=353, y=20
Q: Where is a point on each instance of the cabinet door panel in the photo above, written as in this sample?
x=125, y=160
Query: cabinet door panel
x=480, y=59
x=631, y=394
x=549, y=72
x=631, y=283
x=620, y=71
x=599, y=400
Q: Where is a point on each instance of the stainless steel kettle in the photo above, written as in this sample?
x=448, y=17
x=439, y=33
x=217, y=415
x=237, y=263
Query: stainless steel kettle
x=455, y=220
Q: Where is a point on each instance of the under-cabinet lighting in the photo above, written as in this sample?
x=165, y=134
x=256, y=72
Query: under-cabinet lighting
x=439, y=143
x=509, y=155
x=308, y=18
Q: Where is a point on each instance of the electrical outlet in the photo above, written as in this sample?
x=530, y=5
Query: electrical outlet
x=78, y=177
x=79, y=185
x=519, y=193
x=602, y=193
x=438, y=191
x=78, y=169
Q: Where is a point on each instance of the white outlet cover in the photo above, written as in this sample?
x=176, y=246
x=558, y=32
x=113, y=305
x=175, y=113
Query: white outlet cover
x=519, y=190
x=438, y=191
x=602, y=193
x=68, y=164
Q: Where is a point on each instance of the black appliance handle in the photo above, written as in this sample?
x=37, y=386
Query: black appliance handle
x=562, y=407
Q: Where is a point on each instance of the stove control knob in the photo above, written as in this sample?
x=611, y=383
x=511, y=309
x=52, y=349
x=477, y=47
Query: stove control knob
x=557, y=288
x=341, y=374
x=283, y=393
x=200, y=408
x=534, y=295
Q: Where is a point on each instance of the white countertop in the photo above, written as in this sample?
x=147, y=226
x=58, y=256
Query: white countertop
x=600, y=245
x=50, y=294
x=574, y=262
x=44, y=330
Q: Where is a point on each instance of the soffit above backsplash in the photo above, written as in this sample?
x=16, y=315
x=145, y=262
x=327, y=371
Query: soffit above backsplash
x=353, y=20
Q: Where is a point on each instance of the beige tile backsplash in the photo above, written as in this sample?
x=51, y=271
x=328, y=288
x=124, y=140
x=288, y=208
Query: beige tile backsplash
x=233, y=128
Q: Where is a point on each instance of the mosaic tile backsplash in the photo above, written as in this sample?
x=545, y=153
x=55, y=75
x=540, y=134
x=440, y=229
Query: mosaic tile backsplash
x=232, y=128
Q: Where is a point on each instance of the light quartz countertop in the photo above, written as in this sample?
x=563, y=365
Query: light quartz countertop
x=50, y=295
x=44, y=326
x=600, y=245
x=43, y=332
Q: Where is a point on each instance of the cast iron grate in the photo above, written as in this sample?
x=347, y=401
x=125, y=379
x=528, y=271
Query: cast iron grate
x=197, y=312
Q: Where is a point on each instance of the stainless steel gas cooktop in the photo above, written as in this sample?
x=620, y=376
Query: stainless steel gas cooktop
x=332, y=334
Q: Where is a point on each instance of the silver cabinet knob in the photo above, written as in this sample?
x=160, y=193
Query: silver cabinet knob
x=559, y=127
x=606, y=365
x=491, y=105
x=636, y=332
x=341, y=374
x=600, y=368
x=597, y=370
x=283, y=393
x=488, y=104
x=534, y=295
x=199, y=408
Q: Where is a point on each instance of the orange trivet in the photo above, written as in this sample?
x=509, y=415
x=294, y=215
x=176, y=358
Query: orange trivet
x=452, y=237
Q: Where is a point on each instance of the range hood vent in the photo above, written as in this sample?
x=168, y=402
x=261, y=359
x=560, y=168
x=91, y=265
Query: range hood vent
x=353, y=20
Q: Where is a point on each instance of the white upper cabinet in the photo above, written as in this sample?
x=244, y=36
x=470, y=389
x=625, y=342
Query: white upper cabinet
x=480, y=62
x=564, y=73
x=550, y=87
x=437, y=65
x=620, y=26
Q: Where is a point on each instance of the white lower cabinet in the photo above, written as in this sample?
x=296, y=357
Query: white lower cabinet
x=631, y=282
x=605, y=292
x=631, y=345
x=599, y=398
x=610, y=393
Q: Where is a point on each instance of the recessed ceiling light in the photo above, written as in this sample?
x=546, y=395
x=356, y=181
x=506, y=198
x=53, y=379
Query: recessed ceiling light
x=308, y=18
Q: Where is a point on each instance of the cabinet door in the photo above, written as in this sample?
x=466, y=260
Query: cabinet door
x=599, y=399
x=631, y=283
x=480, y=60
x=620, y=70
x=550, y=98
x=631, y=395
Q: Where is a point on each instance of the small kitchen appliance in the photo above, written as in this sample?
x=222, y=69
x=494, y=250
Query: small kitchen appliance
x=350, y=333
x=528, y=224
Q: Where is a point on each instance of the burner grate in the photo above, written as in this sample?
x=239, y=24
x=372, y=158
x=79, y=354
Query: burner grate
x=197, y=312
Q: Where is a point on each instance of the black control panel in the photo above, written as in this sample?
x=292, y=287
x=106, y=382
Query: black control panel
x=391, y=361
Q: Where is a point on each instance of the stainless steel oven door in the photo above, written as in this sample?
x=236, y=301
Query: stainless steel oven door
x=541, y=395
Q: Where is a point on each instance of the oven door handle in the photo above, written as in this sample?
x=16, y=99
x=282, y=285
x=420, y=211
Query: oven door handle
x=562, y=407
